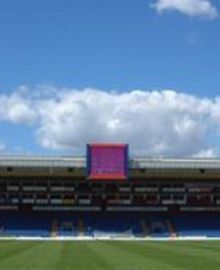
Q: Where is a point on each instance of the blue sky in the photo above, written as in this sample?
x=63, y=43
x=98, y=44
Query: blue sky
x=112, y=48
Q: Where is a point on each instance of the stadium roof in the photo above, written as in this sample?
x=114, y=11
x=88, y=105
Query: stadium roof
x=134, y=163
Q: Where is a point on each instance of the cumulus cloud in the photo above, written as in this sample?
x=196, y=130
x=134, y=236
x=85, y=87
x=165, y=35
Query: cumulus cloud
x=152, y=122
x=16, y=108
x=193, y=8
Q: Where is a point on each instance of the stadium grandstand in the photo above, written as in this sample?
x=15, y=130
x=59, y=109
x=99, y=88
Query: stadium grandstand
x=107, y=194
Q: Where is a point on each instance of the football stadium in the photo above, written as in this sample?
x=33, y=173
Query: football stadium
x=98, y=211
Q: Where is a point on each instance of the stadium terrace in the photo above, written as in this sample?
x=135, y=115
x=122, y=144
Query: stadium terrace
x=107, y=194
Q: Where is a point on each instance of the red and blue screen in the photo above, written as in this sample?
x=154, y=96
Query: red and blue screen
x=107, y=161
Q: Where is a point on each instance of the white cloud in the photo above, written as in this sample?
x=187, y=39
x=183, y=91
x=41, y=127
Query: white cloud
x=2, y=147
x=193, y=8
x=16, y=109
x=208, y=153
x=152, y=122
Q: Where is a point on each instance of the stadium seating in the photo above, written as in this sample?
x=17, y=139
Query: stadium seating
x=198, y=225
x=46, y=224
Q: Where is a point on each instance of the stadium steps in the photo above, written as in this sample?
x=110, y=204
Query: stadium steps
x=144, y=227
x=54, y=229
x=171, y=229
x=80, y=227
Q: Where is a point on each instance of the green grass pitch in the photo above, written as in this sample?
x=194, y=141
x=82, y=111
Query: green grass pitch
x=115, y=255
